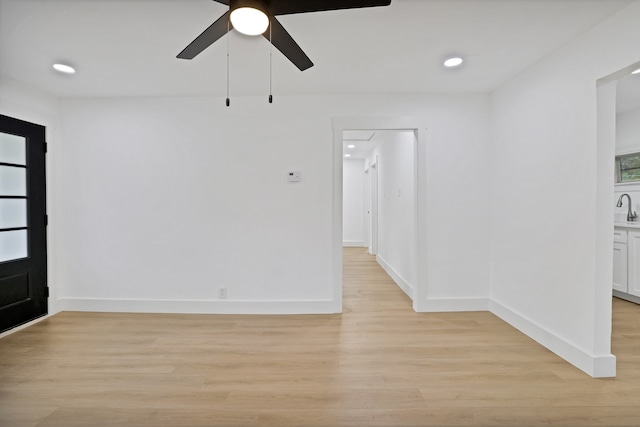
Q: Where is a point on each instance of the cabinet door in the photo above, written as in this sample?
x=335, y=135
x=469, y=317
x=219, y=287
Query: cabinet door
x=633, y=248
x=620, y=267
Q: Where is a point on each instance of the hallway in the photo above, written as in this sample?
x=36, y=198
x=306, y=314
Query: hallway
x=377, y=364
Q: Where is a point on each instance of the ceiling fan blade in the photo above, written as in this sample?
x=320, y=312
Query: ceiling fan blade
x=223, y=2
x=207, y=38
x=286, y=7
x=287, y=45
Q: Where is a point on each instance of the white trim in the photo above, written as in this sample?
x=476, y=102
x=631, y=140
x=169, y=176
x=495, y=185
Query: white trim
x=337, y=218
x=24, y=325
x=198, y=306
x=420, y=223
x=627, y=184
x=418, y=125
x=354, y=244
x=627, y=151
x=627, y=297
x=406, y=287
x=455, y=304
x=598, y=366
x=598, y=297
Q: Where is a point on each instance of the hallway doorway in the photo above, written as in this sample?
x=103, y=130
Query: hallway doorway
x=390, y=198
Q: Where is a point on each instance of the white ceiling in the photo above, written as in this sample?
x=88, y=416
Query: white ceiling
x=362, y=141
x=129, y=47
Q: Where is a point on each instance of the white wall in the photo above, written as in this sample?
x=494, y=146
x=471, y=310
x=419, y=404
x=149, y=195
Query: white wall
x=628, y=132
x=395, y=155
x=627, y=141
x=458, y=232
x=353, y=225
x=31, y=105
x=547, y=228
x=168, y=199
x=171, y=199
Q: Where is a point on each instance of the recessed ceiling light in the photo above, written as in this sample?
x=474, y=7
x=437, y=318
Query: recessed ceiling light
x=347, y=155
x=636, y=71
x=351, y=146
x=64, y=68
x=453, y=62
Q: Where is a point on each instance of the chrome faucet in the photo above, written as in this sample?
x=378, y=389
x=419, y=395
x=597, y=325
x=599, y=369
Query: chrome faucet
x=631, y=216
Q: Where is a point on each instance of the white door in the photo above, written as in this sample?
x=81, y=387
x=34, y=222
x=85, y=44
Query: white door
x=366, y=232
x=373, y=249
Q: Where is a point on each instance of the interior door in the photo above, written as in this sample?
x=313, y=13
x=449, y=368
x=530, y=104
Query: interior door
x=373, y=248
x=23, y=241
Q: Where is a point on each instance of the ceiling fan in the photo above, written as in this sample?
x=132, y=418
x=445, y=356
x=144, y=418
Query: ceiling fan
x=253, y=17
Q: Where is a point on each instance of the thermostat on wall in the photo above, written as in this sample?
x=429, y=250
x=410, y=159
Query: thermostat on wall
x=293, y=176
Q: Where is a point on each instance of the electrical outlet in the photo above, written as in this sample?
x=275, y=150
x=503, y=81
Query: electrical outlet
x=222, y=293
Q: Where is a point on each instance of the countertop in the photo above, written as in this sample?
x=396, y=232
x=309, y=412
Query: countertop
x=635, y=224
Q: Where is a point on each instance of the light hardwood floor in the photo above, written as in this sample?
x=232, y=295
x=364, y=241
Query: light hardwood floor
x=378, y=364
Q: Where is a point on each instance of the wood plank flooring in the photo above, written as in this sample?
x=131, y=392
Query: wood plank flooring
x=377, y=364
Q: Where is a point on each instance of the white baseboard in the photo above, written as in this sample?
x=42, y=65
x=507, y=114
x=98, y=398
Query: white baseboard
x=627, y=297
x=54, y=306
x=453, y=305
x=400, y=281
x=598, y=366
x=353, y=244
x=199, y=306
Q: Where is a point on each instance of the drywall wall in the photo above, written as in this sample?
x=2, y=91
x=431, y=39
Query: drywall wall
x=167, y=200
x=457, y=231
x=395, y=154
x=548, y=189
x=353, y=209
x=32, y=105
x=628, y=132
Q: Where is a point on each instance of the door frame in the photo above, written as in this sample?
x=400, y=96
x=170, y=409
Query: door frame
x=606, y=88
x=419, y=128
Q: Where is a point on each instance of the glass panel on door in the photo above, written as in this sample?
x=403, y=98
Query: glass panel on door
x=13, y=245
x=13, y=213
x=13, y=181
x=13, y=149
x=13, y=197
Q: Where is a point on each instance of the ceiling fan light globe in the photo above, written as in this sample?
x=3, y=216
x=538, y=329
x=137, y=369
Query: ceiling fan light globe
x=249, y=21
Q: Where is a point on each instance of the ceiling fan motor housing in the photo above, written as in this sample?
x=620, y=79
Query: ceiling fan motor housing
x=277, y=35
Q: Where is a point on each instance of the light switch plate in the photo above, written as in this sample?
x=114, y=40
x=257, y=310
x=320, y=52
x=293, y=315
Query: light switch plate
x=293, y=176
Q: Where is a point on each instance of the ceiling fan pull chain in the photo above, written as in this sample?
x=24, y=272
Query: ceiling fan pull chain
x=270, y=65
x=228, y=30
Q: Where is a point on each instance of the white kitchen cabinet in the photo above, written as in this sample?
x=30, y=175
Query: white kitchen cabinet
x=620, y=267
x=626, y=262
x=633, y=259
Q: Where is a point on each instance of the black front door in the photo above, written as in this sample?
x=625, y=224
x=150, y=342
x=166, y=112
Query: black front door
x=23, y=236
